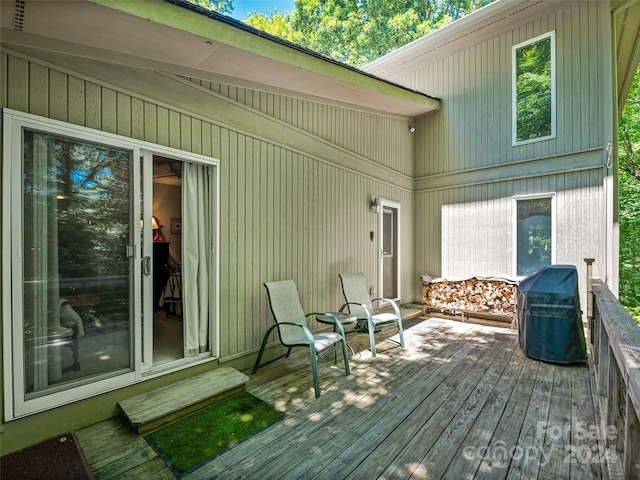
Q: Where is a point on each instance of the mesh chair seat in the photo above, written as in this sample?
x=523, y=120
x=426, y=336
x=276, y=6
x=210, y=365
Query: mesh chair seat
x=293, y=331
x=359, y=303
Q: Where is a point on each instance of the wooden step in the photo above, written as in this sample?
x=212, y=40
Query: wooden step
x=153, y=409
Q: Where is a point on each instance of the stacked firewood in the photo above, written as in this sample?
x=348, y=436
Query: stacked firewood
x=487, y=296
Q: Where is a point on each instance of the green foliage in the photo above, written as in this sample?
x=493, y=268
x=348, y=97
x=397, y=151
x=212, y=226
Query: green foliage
x=276, y=24
x=635, y=313
x=629, y=131
x=629, y=187
x=359, y=31
x=221, y=6
x=629, y=240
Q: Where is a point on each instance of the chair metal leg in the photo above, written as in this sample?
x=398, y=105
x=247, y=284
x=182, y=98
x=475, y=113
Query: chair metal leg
x=400, y=333
x=314, y=371
x=264, y=343
x=344, y=355
x=372, y=339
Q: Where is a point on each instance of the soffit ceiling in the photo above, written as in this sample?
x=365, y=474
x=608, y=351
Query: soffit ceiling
x=627, y=24
x=87, y=29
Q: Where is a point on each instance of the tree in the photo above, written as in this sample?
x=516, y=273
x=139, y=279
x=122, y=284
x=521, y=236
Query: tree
x=221, y=6
x=275, y=24
x=629, y=187
x=359, y=31
x=629, y=131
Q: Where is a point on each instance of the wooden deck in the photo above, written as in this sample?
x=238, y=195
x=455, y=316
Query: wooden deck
x=460, y=401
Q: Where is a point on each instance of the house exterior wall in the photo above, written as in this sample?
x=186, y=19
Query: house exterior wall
x=294, y=199
x=355, y=130
x=468, y=171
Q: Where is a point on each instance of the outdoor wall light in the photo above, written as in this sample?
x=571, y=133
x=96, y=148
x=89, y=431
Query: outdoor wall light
x=374, y=205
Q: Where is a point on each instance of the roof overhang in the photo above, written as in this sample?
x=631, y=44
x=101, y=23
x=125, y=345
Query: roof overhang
x=176, y=38
x=504, y=14
x=467, y=31
x=626, y=17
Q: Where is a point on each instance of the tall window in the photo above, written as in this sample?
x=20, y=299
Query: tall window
x=534, y=234
x=534, y=102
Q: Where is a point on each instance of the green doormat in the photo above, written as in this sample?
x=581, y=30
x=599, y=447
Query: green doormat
x=189, y=443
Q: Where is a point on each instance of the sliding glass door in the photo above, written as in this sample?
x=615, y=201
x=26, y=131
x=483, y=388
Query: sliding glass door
x=80, y=291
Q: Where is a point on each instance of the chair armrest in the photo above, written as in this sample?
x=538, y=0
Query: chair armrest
x=347, y=304
x=305, y=329
x=336, y=322
x=394, y=305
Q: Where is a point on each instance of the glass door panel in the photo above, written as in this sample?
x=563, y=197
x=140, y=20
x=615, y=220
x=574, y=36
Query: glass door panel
x=76, y=262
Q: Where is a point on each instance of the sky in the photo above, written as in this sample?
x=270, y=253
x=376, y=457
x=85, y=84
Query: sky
x=242, y=7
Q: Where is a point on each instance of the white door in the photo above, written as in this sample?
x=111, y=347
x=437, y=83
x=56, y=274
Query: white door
x=389, y=248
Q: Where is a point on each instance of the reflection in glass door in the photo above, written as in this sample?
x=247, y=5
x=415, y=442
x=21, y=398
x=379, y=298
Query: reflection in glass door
x=76, y=264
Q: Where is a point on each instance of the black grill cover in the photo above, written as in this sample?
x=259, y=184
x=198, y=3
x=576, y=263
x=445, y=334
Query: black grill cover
x=549, y=320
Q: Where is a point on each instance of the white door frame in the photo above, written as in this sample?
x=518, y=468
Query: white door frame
x=391, y=204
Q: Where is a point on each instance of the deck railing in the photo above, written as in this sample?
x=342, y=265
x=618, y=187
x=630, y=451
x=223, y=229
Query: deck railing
x=615, y=339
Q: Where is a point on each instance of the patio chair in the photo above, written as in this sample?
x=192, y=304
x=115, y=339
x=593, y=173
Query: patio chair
x=293, y=330
x=359, y=303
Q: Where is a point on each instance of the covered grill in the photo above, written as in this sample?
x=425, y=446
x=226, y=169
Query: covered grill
x=549, y=319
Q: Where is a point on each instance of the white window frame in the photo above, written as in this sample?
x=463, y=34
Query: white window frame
x=514, y=126
x=520, y=198
x=15, y=406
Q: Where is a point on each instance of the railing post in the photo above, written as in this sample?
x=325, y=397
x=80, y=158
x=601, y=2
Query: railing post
x=589, y=262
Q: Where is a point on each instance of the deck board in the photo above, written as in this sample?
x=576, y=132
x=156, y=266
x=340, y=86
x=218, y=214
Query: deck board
x=509, y=425
x=452, y=404
x=465, y=463
x=163, y=405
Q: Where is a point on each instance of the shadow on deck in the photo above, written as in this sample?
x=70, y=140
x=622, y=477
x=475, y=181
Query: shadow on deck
x=460, y=401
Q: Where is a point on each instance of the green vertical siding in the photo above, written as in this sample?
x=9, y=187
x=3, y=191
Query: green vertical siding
x=354, y=130
x=466, y=227
x=284, y=214
x=473, y=128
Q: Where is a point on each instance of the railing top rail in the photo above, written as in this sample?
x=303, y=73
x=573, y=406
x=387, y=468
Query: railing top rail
x=624, y=338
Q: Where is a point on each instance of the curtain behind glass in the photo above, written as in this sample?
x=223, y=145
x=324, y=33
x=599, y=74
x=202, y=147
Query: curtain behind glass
x=196, y=257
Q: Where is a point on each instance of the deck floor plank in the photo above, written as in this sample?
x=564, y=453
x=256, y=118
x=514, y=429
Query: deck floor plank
x=441, y=455
x=527, y=463
x=346, y=453
x=345, y=418
x=456, y=388
x=583, y=433
x=417, y=429
x=494, y=464
x=339, y=435
x=467, y=459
